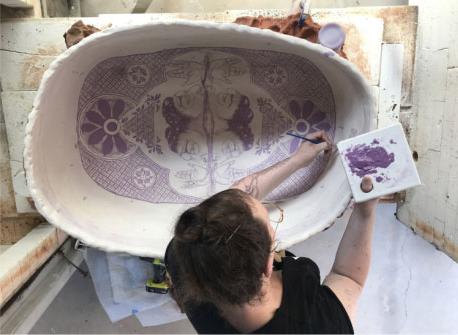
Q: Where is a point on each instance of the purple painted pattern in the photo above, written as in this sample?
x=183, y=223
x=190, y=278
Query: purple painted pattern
x=178, y=125
x=240, y=123
x=308, y=119
x=369, y=159
x=101, y=127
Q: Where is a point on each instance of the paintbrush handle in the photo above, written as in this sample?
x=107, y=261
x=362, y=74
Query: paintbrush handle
x=304, y=138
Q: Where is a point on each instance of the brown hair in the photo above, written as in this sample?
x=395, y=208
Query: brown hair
x=219, y=252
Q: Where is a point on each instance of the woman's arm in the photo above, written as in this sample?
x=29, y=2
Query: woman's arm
x=259, y=184
x=351, y=265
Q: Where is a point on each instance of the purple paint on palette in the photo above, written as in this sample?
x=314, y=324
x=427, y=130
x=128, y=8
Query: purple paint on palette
x=393, y=141
x=202, y=109
x=368, y=159
x=375, y=141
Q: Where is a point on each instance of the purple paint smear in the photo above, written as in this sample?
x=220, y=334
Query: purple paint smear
x=367, y=159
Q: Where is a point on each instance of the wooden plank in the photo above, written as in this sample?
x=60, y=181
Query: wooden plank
x=448, y=166
x=17, y=3
x=432, y=210
x=16, y=227
x=434, y=34
x=21, y=260
x=400, y=26
x=390, y=84
x=363, y=43
x=32, y=10
x=39, y=36
x=23, y=72
x=28, y=306
x=7, y=203
x=17, y=106
x=23, y=200
x=452, y=34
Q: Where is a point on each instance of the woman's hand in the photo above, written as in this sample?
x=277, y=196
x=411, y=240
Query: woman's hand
x=367, y=208
x=308, y=151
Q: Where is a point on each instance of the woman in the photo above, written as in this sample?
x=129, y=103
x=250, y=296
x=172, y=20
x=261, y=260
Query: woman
x=222, y=269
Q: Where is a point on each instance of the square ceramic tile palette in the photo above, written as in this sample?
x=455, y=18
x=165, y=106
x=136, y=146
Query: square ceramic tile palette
x=383, y=154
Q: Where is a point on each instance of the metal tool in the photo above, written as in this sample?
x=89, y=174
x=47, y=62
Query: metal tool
x=304, y=6
x=157, y=284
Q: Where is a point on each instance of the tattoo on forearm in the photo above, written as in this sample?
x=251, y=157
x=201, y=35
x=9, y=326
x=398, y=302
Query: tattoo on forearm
x=251, y=183
x=252, y=187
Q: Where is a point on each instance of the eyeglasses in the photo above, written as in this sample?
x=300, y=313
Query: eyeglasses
x=278, y=218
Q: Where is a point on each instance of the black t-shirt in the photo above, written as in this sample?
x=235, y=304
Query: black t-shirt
x=306, y=307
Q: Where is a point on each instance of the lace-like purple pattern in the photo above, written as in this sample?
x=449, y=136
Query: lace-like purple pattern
x=178, y=125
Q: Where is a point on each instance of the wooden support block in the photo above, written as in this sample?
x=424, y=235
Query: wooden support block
x=16, y=109
x=448, y=167
x=17, y=106
x=363, y=41
x=17, y=3
x=390, y=84
x=21, y=260
x=23, y=200
x=432, y=210
x=28, y=306
x=7, y=203
x=399, y=26
x=16, y=227
x=453, y=39
x=39, y=37
x=23, y=9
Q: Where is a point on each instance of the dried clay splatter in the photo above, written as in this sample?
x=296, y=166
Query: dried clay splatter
x=366, y=159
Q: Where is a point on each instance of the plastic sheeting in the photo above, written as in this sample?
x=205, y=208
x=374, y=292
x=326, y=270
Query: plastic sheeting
x=119, y=281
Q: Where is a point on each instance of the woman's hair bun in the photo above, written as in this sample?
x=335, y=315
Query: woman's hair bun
x=190, y=225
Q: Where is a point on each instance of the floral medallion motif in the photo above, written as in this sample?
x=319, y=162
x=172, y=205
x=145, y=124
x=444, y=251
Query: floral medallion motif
x=102, y=125
x=143, y=177
x=307, y=119
x=138, y=75
x=276, y=76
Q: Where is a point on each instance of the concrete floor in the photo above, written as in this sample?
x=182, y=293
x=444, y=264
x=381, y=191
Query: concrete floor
x=412, y=288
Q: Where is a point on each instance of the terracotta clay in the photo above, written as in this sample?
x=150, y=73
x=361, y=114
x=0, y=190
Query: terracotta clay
x=77, y=32
x=287, y=25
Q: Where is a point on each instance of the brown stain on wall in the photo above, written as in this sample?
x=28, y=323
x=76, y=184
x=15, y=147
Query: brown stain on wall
x=32, y=72
x=50, y=51
x=355, y=53
x=437, y=238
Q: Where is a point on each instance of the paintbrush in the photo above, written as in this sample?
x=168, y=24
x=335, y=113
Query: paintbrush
x=290, y=133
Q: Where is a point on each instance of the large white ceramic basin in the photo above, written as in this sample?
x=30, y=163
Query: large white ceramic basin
x=133, y=125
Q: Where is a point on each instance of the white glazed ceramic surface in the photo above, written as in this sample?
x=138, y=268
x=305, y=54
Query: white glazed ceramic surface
x=133, y=125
